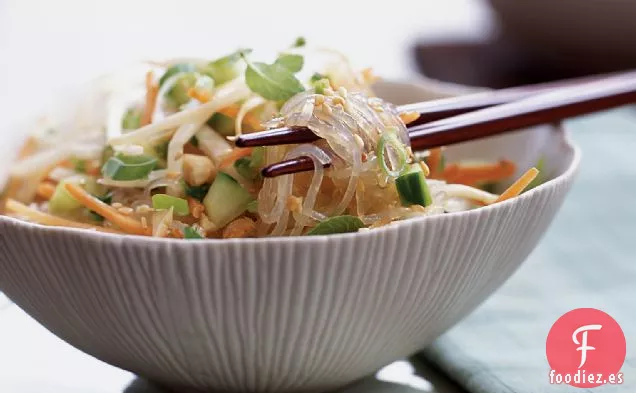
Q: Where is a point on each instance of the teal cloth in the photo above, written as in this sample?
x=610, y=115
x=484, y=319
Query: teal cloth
x=586, y=259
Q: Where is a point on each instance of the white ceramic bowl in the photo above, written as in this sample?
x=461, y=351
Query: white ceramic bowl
x=292, y=314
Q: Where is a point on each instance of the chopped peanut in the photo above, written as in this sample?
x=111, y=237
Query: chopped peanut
x=368, y=76
x=197, y=170
x=196, y=208
x=207, y=225
x=294, y=204
x=241, y=227
x=409, y=117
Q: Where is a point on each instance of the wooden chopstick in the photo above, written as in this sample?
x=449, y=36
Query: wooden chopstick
x=545, y=107
x=429, y=111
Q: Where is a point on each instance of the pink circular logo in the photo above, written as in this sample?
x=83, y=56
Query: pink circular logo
x=586, y=348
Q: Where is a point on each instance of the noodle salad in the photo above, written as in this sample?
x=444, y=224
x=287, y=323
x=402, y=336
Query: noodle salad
x=154, y=155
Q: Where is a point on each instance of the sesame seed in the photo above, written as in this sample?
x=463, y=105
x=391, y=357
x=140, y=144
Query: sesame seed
x=425, y=168
x=142, y=209
x=125, y=211
x=337, y=100
x=116, y=205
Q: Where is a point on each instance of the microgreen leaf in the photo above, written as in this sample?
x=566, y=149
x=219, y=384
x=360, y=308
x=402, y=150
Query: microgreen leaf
x=300, y=42
x=293, y=63
x=272, y=82
x=316, y=77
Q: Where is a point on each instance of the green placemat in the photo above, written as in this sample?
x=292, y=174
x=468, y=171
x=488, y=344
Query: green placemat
x=587, y=259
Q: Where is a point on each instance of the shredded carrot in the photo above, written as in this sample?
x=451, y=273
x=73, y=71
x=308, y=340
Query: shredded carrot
x=232, y=111
x=200, y=95
x=433, y=161
x=234, y=155
x=127, y=224
x=92, y=168
x=14, y=184
x=473, y=175
x=196, y=208
x=229, y=111
x=152, y=90
x=20, y=209
x=46, y=190
x=29, y=147
x=517, y=187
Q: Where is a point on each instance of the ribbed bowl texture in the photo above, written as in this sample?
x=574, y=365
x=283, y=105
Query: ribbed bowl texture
x=283, y=314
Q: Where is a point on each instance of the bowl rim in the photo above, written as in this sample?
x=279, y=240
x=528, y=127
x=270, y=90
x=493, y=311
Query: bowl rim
x=423, y=83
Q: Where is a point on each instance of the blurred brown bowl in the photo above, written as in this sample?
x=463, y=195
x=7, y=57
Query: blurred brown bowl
x=583, y=35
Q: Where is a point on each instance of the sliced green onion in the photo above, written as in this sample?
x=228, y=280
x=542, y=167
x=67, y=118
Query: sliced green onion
x=337, y=224
x=165, y=202
x=122, y=167
x=191, y=233
x=389, y=140
x=175, y=69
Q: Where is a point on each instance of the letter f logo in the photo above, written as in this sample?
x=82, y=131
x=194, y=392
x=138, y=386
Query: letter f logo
x=584, y=347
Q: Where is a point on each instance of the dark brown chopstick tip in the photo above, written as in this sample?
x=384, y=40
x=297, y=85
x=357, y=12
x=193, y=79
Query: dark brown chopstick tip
x=279, y=136
x=287, y=167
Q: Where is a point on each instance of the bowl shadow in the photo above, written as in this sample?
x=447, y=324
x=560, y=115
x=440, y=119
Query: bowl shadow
x=407, y=376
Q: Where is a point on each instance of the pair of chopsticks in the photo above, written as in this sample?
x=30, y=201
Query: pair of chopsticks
x=465, y=118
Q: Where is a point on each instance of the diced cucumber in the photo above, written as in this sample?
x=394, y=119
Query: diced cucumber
x=222, y=124
x=225, y=200
x=62, y=202
x=164, y=202
x=412, y=187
